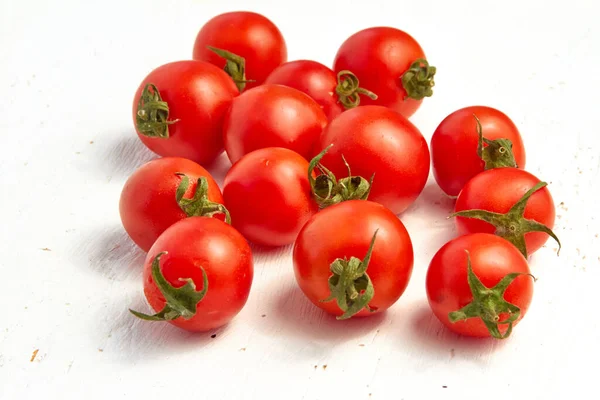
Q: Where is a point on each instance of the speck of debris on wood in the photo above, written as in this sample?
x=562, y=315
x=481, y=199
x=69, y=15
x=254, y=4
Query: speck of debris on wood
x=46, y=249
x=34, y=355
x=324, y=367
x=214, y=335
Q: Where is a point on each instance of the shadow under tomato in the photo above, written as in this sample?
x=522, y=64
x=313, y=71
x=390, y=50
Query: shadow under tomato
x=129, y=339
x=109, y=252
x=304, y=324
x=432, y=335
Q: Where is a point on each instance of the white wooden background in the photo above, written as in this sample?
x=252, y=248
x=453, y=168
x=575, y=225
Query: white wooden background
x=68, y=71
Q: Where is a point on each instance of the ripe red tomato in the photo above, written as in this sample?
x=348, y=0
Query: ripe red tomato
x=248, y=35
x=268, y=195
x=178, y=110
x=499, y=280
x=338, y=238
x=333, y=92
x=377, y=140
x=497, y=191
x=164, y=191
x=272, y=116
x=454, y=145
x=391, y=64
x=202, y=253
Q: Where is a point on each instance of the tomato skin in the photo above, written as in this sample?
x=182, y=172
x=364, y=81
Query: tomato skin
x=379, y=57
x=226, y=258
x=497, y=190
x=198, y=95
x=375, y=139
x=454, y=145
x=345, y=230
x=268, y=196
x=148, y=206
x=272, y=116
x=313, y=79
x=246, y=34
x=492, y=258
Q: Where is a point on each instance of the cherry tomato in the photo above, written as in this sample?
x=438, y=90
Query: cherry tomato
x=346, y=238
x=451, y=287
x=204, y=268
x=333, y=92
x=377, y=140
x=515, y=204
x=455, y=142
x=178, y=110
x=268, y=195
x=272, y=116
x=391, y=64
x=164, y=191
x=248, y=35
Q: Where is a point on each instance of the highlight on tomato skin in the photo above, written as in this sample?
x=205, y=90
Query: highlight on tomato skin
x=455, y=144
x=248, y=35
x=499, y=270
x=204, y=267
x=366, y=244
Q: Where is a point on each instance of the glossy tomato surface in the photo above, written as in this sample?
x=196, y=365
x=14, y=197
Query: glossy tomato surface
x=379, y=57
x=377, y=140
x=272, y=116
x=497, y=190
x=345, y=230
x=246, y=34
x=226, y=258
x=312, y=78
x=455, y=141
x=492, y=258
x=198, y=94
x=148, y=204
x=268, y=195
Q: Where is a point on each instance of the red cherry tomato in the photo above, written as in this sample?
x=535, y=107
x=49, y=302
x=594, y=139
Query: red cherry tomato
x=272, y=116
x=334, y=94
x=498, y=191
x=205, y=267
x=377, y=140
x=455, y=141
x=391, y=64
x=492, y=259
x=268, y=195
x=149, y=201
x=246, y=34
x=178, y=110
x=345, y=231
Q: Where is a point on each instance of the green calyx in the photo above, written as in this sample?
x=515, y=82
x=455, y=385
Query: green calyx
x=180, y=302
x=350, y=285
x=235, y=66
x=199, y=205
x=489, y=303
x=349, y=91
x=512, y=226
x=497, y=154
x=327, y=190
x=418, y=80
x=152, y=117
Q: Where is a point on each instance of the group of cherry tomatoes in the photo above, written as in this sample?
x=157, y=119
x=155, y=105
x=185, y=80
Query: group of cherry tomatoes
x=324, y=158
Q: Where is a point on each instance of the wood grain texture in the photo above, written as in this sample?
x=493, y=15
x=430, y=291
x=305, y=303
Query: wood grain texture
x=68, y=74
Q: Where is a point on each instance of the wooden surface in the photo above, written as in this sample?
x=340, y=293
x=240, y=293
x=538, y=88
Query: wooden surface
x=68, y=74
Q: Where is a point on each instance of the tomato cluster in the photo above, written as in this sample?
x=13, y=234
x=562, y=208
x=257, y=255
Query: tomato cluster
x=324, y=159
